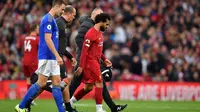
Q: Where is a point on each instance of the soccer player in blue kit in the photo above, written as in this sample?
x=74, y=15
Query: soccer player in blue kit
x=49, y=59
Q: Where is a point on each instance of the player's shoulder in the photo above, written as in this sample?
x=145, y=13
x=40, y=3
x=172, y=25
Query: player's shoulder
x=91, y=33
x=47, y=18
x=33, y=38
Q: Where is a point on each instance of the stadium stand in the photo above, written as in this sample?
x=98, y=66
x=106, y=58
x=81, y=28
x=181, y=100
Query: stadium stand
x=149, y=40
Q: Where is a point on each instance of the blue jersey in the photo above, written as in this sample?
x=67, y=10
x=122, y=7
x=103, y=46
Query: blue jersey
x=48, y=25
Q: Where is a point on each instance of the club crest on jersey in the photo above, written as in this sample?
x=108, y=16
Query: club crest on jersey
x=87, y=42
x=49, y=27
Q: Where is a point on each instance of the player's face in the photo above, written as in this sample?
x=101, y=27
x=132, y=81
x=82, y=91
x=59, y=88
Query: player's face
x=72, y=16
x=104, y=25
x=60, y=10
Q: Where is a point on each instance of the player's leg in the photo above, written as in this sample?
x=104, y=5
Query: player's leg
x=32, y=70
x=76, y=81
x=82, y=92
x=56, y=81
x=28, y=81
x=44, y=72
x=107, y=98
x=99, y=97
x=47, y=87
x=65, y=88
x=56, y=91
x=27, y=74
x=66, y=99
x=33, y=91
x=33, y=79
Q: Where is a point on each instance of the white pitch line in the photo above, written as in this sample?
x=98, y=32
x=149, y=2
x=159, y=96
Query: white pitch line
x=148, y=107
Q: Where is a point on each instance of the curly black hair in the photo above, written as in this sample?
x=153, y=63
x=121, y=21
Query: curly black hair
x=103, y=17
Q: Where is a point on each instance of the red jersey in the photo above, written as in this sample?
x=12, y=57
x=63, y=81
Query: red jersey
x=92, y=47
x=31, y=50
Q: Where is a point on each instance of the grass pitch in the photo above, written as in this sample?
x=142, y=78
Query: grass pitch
x=89, y=106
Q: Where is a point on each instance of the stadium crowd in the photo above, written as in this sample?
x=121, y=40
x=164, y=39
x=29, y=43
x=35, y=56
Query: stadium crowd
x=149, y=40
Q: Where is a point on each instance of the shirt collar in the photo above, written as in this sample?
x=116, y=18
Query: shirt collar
x=64, y=19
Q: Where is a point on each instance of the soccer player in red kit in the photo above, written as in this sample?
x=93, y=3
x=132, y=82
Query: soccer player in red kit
x=90, y=61
x=30, y=60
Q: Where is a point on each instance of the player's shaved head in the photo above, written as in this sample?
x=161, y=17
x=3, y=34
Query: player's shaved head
x=69, y=13
x=95, y=12
x=70, y=9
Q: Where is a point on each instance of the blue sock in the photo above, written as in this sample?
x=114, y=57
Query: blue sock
x=29, y=95
x=57, y=94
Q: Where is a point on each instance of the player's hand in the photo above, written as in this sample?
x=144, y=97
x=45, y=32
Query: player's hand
x=74, y=62
x=78, y=71
x=107, y=63
x=59, y=60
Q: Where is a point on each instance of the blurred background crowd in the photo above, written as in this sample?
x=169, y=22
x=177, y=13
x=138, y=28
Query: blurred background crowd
x=148, y=40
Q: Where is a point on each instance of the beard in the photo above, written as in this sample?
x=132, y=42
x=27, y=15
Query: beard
x=102, y=28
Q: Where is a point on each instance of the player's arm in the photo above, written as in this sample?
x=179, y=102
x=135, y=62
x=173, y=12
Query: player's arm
x=62, y=35
x=103, y=57
x=51, y=46
x=106, y=61
x=84, y=52
x=70, y=57
x=47, y=36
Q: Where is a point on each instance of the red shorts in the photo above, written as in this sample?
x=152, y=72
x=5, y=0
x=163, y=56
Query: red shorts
x=29, y=70
x=92, y=72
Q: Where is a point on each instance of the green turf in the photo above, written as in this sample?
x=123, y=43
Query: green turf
x=89, y=106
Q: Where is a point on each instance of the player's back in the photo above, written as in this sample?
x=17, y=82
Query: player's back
x=47, y=25
x=31, y=50
x=96, y=46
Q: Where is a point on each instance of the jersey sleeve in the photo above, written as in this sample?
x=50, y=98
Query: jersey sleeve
x=103, y=57
x=86, y=45
x=48, y=27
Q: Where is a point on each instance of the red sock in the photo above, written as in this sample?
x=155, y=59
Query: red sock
x=98, y=95
x=28, y=86
x=80, y=94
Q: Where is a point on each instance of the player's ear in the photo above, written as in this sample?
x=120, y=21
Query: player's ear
x=56, y=6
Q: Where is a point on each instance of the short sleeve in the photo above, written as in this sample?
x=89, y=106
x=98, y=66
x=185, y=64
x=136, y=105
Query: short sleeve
x=48, y=27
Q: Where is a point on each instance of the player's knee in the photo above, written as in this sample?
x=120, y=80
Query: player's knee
x=88, y=88
x=34, y=78
x=99, y=85
x=56, y=82
x=41, y=83
x=42, y=80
